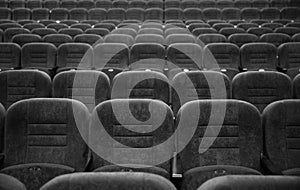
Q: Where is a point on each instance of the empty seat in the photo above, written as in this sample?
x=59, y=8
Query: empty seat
x=89, y=87
x=212, y=38
x=206, y=85
x=275, y=38
x=108, y=180
x=74, y=56
x=98, y=31
x=86, y=4
x=152, y=25
x=293, y=24
x=91, y=39
x=57, y=26
x=5, y=13
x=289, y=54
x=173, y=14
x=23, y=39
x=135, y=14
x=282, y=21
x=270, y=13
x=155, y=4
x=261, y=88
x=47, y=22
x=279, y=3
x=154, y=14
x=59, y=14
x=259, y=21
x=272, y=26
x=211, y=13
x=97, y=14
x=250, y=13
x=68, y=4
x=5, y=26
x=10, y=56
x=128, y=31
x=51, y=4
x=21, y=14
x=186, y=4
x=172, y=4
x=57, y=39
x=8, y=182
x=111, y=58
x=291, y=13
x=207, y=4
x=241, y=39
x=255, y=56
x=296, y=38
x=116, y=14
x=259, y=31
x=239, y=182
x=151, y=31
x=23, y=84
x=246, y=26
x=11, y=32
x=242, y=3
x=16, y=4
x=219, y=26
x=141, y=84
x=53, y=126
x=70, y=31
x=217, y=126
x=31, y=26
x=31, y=4
x=193, y=26
x=231, y=14
x=43, y=31
x=224, y=4
x=81, y=26
x=119, y=38
x=192, y=13
x=296, y=87
x=108, y=26
x=288, y=30
x=176, y=30
x=199, y=31
x=149, y=38
x=78, y=14
x=120, y=4
x=280, y=123
x=224, y=57
x=227, y=31
x=179, y=38
x=260, y=3
x=138, y=4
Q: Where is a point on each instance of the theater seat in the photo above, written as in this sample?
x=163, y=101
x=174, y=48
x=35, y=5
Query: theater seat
x=130, y=129
x=247, y=182
x=109, y=181
x=221, y=143
x=43, y=139
x=10, y=183
x=2, y=124
x=10, y=56
x=261, y=88
x=289, y=53
x=280, y=124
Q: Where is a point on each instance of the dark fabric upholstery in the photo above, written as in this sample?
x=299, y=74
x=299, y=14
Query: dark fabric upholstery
x=43, y=139
x=261, y=88
x=255, y=56
x=250, y=13
x=241, y=39
x=91, y=39
x=10, y=56
x=154, y=14
x=196, y=85
x=21, y=14
x=116, y=14
x=133, y=131
x=211, y=13
x=195, y=177
x=249, y=182
x=57, y=39
x=239, y=142
x=59, y=14
x=2, y=122
x=296, y=87
x=74, y=55
x=119, y=38
x=10, y=32
x=289, y=55
x=276, y=38
x=78, y=14
x=89, y=87
x=291, y=13
x=43, y=31
x=23, y=84
x=281, y=134
x=23, y=39
x=70, y=31
x=10, y=183
x=192, y=13
x=40, y=14
x=135, y=13
x=109, y=181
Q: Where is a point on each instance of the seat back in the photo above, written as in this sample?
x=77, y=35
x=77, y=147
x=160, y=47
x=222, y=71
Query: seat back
x=10, y=55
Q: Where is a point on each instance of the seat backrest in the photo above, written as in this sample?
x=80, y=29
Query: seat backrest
x=57, y=39
x=108, y=26
x=141, y=84
x=5, y=26
x=261, y=88
x=173, y=14
x=69, y=4
x=38, y=55
x=134, y=126
x=78, y=14
x=109, y=181
x=212, y=38
x=89, y=87
x=119, y=38
x=275, y=38
x=2, y=123
x=288, y=55
x=116, y=14
x=23, y=39
x=31, y=26
x=250, y=13
x=154, y=14
x=271, y=13
x=51, y=4
x=281, y=126
x=87, y=4
x=288, y=30
x=291, y=13
x=129, y=31
x=91, y=39
x=241, y=39
x=192, y=13
x=5, y=13
x=23, y=84
x=255, y=56
x=105, y=4
x=46, y=130
x=179, y=38
x=11, y=32
x=239, y=182
x=97, y=14
x=21, y=14
x=98, y=31
x=8, y=182
x=74, y=55
x=211, y=13
x=231, y=14
x=225, y=132
x=296, y=87
x=70, y=31
x=57, y=26
x=111, y=55
x=135, y=14
x=141, y=51
x=59, y=14
x=10, y=55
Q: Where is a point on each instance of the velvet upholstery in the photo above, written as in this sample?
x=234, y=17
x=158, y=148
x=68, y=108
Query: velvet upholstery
x=10, y=56
x=10, y=183
x=289, y=55
x=2, y=122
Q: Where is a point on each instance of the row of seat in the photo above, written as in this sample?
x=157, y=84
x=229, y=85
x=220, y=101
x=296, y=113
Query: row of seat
x=291, y=13
x=88, y=4
x=47, y=137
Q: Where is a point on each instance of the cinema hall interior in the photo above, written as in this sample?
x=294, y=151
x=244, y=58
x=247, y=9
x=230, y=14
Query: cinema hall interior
x=149, y=94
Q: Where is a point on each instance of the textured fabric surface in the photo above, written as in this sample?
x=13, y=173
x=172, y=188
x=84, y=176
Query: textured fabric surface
x=249, y=182
x=10, y=183
x=289, y=56
x=195, y=177
x=282, y=134
x=109, y=181
x=10, y=55
x=261, y=88
x=238, y=143
x=2, y=122
x=142, y=130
